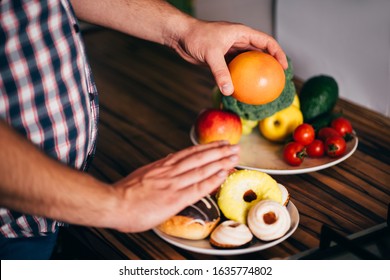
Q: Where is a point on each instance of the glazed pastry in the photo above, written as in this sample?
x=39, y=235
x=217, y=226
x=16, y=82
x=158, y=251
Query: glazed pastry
x=230, y=234
x=285, y=194
x=193, y=222
x=242, y=189
x=269, y=220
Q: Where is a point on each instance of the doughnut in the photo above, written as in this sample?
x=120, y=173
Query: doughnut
x=242, y=189
x=269, y=220
x=194, y=222
x=230, y=234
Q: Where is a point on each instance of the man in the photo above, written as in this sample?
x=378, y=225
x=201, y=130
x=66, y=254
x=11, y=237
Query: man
x=48, y=120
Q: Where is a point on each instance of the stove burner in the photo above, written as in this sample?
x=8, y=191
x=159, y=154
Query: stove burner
x=370, y=244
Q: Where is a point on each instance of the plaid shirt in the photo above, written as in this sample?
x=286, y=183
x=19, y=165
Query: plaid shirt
x=46, y=91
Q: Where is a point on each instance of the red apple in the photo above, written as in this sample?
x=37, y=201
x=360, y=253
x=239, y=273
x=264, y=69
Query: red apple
x=217, y=124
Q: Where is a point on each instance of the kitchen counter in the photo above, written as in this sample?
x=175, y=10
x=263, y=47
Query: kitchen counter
x=149, y=99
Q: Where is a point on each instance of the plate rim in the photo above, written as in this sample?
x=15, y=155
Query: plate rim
x=229, y=252
x=290, y=171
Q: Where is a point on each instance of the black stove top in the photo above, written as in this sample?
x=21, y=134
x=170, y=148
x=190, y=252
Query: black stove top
x=369, y=244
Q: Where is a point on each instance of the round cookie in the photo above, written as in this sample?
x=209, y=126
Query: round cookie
x=230, y=234
x=269, y=220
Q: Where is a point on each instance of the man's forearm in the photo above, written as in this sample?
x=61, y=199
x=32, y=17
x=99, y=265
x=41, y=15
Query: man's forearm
x=153, y=20
x=32, y=183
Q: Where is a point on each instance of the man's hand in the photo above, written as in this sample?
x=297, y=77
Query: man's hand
x=157, y=191
x=33, y=183
x=209, y=43
x=196, y=41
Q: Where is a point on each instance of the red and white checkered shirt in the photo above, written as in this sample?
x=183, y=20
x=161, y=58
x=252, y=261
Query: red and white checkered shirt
x=47, y=93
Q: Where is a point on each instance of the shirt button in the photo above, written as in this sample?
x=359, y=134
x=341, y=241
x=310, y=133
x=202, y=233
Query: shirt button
x=76, y=27
x=91, y=96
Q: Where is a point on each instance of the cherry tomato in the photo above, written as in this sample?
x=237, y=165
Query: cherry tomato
x=294, y=153
x=335, y=146
x=304, y=134
x=342, y=126
x=316, y=148
x=326, y=132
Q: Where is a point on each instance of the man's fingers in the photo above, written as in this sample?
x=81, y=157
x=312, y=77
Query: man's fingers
x=195, y=192
x=205, y=157
x=217, y=64
x=199, y=174
x=276, y=51
x=267, y=42
x=182, y=154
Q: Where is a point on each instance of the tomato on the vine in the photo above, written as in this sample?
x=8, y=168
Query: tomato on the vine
x=294, y=153
x=342, y=126
x=316, y=148
x=326, y=132
x=304, y=134
x=335, y=146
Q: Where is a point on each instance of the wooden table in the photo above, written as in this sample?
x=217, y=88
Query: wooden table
x=149, y=98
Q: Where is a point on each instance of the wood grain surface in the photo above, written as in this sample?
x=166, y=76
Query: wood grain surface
x=149, y=99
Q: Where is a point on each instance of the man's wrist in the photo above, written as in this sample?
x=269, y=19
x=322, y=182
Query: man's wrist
x=177, y=29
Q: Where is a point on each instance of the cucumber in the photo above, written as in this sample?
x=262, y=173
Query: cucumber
x=318, y=96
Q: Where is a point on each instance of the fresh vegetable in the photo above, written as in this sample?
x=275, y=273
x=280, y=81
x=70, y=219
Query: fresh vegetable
x=259, y=112
x=325, y=132
x=315, y=149
x=280, y=125
x=304, y=134
x=258, y=78
x=335, y=146
x=324, y=120
x=343, y=127
x=294, y=153
x=329, y=140
x=318, y=96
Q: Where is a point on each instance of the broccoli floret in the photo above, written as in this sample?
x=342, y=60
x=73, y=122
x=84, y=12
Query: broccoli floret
x=259, y=112
x=289, y=72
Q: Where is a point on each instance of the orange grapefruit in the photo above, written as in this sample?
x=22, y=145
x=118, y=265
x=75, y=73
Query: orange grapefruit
x=258, y=78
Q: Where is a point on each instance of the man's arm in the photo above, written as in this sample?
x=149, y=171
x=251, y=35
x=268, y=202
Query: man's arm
x=33, y=183
x=152, y=20
x=196, y=41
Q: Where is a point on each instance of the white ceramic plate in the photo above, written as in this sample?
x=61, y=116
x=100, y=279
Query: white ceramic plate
x=204, y=247
x=260, y=154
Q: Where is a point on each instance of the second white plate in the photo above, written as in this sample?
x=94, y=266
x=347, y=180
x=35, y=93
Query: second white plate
x=204, y=247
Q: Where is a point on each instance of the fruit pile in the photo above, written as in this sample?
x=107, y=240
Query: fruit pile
x=269, y=93
x=330, y=140
x=306, y=122
x=323, y=131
